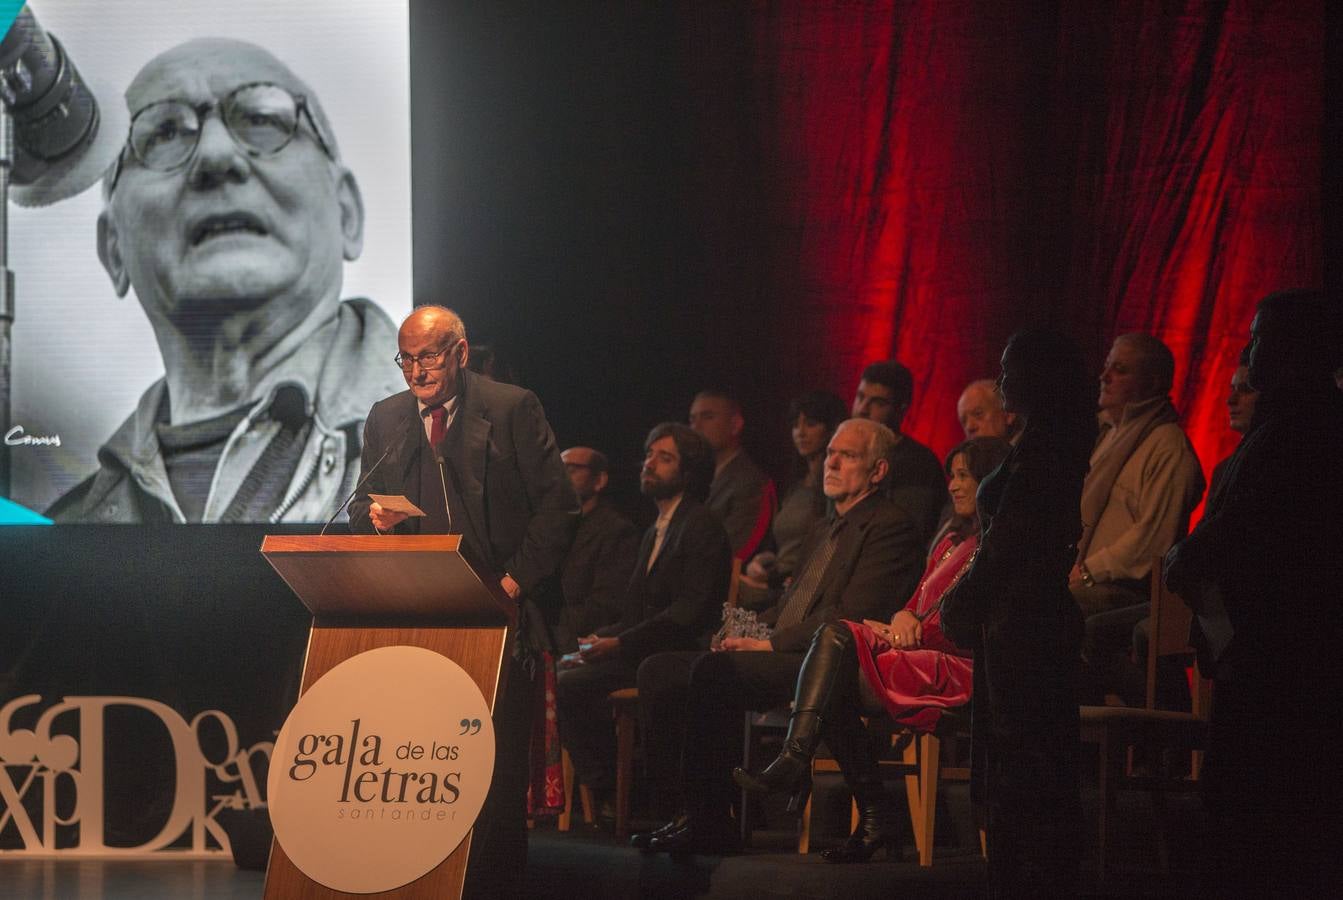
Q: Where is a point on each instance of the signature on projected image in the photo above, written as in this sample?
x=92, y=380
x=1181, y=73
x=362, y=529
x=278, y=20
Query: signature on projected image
x=16, y=437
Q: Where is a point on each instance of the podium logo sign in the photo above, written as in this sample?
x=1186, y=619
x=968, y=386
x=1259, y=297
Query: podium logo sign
x=381, y=769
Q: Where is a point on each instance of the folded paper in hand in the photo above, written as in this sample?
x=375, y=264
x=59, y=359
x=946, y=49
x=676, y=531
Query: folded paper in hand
x=396, y=503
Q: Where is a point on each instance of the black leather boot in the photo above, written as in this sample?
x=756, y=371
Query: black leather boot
x=855, y=752
x=828, y=675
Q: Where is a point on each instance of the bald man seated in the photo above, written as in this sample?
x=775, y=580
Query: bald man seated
x=981, y=414
x=601, y=560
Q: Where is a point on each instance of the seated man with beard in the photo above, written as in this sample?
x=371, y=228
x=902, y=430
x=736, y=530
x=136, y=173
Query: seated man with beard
x=672, y=602
x=857, y=564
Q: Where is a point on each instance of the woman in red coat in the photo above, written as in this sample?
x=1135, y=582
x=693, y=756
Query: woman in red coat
x=909, y=669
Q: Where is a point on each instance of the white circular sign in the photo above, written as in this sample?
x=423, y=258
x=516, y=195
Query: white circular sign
x=381, y=769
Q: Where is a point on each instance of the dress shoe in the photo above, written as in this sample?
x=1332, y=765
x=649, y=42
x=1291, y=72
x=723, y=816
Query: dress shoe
x=643, y=839
x=711, y=837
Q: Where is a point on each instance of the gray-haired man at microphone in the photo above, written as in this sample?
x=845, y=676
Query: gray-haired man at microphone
x=231, y=215
x=479, y=459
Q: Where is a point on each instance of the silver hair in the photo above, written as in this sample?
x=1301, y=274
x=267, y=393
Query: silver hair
x=880, y=439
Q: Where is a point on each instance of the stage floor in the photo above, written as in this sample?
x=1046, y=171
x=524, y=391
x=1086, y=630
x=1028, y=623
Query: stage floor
x=591, y=865
x=108, y=879
x=588, y=865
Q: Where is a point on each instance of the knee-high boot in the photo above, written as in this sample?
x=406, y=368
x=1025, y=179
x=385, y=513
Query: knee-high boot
x=828, y=676
x=854, y=750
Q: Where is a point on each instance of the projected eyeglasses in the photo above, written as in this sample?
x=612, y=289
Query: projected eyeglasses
x=261, y=117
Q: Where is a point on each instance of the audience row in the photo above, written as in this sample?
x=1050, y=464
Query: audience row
x=1079, y=490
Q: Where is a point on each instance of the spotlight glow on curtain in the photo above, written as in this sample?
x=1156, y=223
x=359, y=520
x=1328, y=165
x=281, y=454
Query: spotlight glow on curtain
x=941, y=173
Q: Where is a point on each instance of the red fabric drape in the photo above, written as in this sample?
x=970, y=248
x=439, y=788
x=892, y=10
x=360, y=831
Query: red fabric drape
x=936, y=174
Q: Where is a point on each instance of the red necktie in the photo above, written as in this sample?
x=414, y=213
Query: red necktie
x=437, y=431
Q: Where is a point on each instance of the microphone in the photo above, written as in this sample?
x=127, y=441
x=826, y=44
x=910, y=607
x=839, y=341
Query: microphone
x=362, y=481
x=61, y=144
x=447, y=507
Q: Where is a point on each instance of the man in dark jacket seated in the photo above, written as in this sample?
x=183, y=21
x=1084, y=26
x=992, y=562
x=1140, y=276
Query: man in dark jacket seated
x=915, y=480
x=599, y=563
x=861, y=563
x=672, y=602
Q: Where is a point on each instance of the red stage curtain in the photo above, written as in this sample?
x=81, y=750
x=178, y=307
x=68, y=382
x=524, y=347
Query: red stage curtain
x=935, y=174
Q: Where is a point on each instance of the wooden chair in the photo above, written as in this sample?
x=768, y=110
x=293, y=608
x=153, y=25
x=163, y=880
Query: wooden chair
x=584, y=794
x=756, y=724
x=625, y=710
x=920, y=762
x=1118, y=729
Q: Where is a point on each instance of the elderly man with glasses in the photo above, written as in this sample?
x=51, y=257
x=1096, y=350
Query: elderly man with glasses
x=231, y=215
x=478, y=458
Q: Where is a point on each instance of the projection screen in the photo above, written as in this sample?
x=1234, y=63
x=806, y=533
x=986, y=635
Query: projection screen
x=228, y=383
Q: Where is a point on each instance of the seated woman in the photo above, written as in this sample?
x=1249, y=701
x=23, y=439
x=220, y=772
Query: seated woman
x=909, y=669
x=814, y=416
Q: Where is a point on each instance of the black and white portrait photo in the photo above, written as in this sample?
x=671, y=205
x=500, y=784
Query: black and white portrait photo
x=199, y=336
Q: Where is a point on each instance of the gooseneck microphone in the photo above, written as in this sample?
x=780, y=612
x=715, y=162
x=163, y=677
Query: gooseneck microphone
x=447, y=507
x=362, y=482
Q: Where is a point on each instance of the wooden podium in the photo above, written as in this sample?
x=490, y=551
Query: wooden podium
x=373, y=591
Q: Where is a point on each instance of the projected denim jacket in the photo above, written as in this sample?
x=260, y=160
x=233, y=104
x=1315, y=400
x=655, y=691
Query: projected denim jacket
x=353, y=369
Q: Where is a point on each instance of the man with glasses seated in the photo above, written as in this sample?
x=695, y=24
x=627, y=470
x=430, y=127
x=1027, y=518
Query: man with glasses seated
x=479, y=459
x=231, y=215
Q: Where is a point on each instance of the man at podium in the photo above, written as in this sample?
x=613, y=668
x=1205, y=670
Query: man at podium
x=479, y=459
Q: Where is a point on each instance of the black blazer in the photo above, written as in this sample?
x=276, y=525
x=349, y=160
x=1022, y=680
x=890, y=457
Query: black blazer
x=519, y=501
x=676, y=605
x=874, y=571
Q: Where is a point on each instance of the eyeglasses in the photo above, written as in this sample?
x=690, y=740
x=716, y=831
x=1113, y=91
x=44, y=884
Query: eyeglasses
x=433, y=359
x=261, y=117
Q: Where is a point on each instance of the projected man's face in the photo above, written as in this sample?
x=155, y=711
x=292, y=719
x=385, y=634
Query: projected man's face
x=230, y=230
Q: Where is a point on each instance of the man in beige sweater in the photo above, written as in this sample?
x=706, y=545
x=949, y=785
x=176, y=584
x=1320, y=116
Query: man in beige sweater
x=1144, y=482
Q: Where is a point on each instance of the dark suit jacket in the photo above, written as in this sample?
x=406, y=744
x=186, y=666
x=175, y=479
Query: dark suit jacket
x=743, y=498
x=917, y=483
x=595, y=574
x=675, y=606
x=519, y=502
x=873, y=572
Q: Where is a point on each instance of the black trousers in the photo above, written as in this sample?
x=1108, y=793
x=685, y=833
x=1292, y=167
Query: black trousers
x=1026, y=729
x=585, y=718
x=691, y=706
x=1272, y=783
x=499, y=842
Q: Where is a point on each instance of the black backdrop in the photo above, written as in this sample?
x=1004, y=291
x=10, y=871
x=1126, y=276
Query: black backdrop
x=559, y=204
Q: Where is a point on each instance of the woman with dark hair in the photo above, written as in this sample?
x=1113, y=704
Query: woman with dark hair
x=1014, y=608
x=814, y=416
x=910, y=670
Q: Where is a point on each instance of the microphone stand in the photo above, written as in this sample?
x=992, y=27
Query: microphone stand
x=6, y=296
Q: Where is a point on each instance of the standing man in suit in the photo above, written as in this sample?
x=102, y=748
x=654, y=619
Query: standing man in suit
x=480, y=459
x=859, y=564
x=1264, y=565
x=672, y=601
